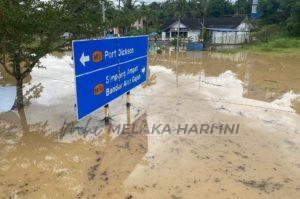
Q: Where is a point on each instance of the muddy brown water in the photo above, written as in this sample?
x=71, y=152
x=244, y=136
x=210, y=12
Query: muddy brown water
x=46, y=153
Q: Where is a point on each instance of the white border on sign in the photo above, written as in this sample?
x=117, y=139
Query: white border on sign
x=99, y=69
x=101, y=38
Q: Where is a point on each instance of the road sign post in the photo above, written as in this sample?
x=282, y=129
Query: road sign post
x=106, y=113
x=106, y=69
x=128, y=99
x=128, y=115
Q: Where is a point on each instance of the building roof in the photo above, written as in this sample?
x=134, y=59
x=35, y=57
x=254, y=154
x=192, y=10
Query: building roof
x=209, y=22
x=223, y=22
x=189, y=23
x=192, y=23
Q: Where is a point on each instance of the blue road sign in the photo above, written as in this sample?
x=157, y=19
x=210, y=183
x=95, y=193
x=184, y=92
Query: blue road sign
x=106, y=69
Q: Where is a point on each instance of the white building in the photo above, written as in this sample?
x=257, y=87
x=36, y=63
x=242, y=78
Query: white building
x=189, y=29
x=227, y=30
x=221, y=30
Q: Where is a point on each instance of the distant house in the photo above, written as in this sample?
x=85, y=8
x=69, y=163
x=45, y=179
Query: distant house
x=189, y=29
x=221, y=30
x=227, y=30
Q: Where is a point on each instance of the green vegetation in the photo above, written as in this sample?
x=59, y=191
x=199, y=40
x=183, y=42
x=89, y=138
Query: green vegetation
x=218, y=8
x=28, y=31
x=31, y=29
x=278, y=30
x=283, y=13
x=286, y=44
x=281, y=43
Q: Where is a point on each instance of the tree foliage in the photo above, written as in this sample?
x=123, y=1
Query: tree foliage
x=31, y=29
x=84, y=18
x=243, y=6
x=28, y=31
x=217, y=8
x=286, y=13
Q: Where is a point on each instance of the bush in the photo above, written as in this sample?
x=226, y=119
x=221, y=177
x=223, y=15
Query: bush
x=278, y=44
x=285, y=12
x=293, y=22
x=134, y=32
x=265, y=33
x=293, y=27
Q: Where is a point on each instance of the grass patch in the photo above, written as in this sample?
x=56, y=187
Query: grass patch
x=279, y=44
x=288, y=45
x=271, y=39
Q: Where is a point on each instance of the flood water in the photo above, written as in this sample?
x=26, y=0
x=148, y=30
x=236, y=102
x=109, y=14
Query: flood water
x=154, y=149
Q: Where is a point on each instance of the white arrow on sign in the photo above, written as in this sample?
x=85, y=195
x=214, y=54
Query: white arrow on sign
x=84, y=59
x=143, y=70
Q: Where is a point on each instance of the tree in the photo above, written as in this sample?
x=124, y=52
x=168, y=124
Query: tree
x=285, y=13
x=31, y=29
x=28, y=31
x=293, y=22
x=269, y=10
x=217, y=8
x=127, y=15
x=243, y=7
x=199, y=8
x=143, y=13
x=85, y=17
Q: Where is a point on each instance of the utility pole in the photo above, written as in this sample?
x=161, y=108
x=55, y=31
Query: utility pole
x=178, y=31
x=177, y=51
x=103, y=17
x=119, y=17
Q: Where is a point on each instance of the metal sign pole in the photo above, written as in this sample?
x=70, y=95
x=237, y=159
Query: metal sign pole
x=128, y=115
x=106, y=113
x=128, y=99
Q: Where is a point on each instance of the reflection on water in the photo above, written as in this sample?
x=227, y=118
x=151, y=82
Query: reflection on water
x=264, y=77
x=42, y=155
x=52, y=169
x=113, y=165
x=8, y=96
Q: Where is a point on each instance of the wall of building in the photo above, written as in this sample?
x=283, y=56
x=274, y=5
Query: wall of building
x=139, y=23
x=194, y=35
x=173, y=35
x=243, y=27
x=229, y=37
x=239, y=35
x=191, y=34
x=163, y=36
